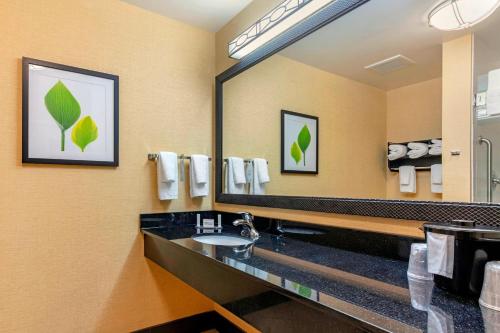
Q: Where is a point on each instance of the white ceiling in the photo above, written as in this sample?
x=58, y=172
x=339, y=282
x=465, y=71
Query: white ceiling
x=210, y=15
x=375, y=31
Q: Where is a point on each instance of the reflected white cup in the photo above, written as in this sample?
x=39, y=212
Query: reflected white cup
x=490, y=294
x=491, y=320
x=417, y=264
x=420, y=293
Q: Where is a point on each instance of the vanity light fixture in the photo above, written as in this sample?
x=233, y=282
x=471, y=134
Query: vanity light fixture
x=277, y=21
x=461, y=14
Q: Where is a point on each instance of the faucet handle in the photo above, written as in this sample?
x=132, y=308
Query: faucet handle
x=246, y=216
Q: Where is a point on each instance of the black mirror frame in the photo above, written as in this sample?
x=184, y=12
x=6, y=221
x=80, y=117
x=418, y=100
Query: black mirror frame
x=482, y=213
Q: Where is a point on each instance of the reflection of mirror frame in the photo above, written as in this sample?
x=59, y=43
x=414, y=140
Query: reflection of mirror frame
x=486, y=214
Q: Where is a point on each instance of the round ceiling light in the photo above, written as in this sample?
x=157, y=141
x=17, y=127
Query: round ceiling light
x=461, y=14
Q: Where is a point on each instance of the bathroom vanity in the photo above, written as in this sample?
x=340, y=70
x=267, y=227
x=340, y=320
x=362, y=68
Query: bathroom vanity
x=307, y=278
x=318, y=108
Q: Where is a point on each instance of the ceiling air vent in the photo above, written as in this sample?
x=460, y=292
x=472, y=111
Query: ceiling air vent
x=391, y=64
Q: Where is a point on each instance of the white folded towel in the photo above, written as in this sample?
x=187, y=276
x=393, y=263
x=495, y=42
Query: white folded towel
x=418, y=145
x=260, y=176
x=437, y=142
x=417, y=149
x=493, y=93
x=167, y=176
x=396, y=151
x=407, y=179
x=440, y=254
x=231, y=186
x=199, y=175
x=201, y=168
x=438, y=150
x=238, y=167
x=167, y=162
x=262, y=171
x=437, y=178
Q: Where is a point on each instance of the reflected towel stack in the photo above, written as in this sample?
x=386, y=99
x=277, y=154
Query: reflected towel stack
x=417, y=149
x=396, y=151
x=436, y=147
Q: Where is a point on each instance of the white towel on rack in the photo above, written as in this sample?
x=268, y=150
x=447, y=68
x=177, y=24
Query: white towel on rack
x=201, y=168
x=437, y=178
x=396, y=151
x=262, y=171
x=238, y=166
x=231, y=186
x=407, y=179
x=199, y=171
x=260, y=176
x=167, y=162
x=417, y=149
x=167, y=176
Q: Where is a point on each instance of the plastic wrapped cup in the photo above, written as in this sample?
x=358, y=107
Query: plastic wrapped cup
x=420, y=293
x=491, y=320
x=417, y=265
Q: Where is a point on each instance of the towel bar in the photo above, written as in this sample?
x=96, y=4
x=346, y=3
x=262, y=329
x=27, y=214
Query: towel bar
x=416, y=168
x=247, y=160
x=154, y=157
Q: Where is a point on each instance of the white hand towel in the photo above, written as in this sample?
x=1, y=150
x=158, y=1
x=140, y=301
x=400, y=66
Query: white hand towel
x=493, y=93
x=260, y=176
x=407, y=179
x=199, y=168
x=396, y=151
x=440, y=254
x=167, y=176
x=167, y=162
x=262, y=171
x=437, y=178
x=231, y=186
x=238, y=167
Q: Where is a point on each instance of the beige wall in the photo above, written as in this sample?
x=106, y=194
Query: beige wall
x=457, y=130
x=351, y=127
x=414, y=113
x=70, y=249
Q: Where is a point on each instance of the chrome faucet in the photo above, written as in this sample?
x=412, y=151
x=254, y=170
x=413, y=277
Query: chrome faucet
x=248, y=228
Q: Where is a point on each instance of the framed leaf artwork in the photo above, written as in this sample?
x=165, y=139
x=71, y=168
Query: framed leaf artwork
x=70, y=115
x=299, y=143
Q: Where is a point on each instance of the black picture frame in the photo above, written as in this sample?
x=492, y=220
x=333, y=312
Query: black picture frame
x=26, y=62
x=283, y=150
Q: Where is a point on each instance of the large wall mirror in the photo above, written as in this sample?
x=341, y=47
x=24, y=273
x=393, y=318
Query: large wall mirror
x=363, y=93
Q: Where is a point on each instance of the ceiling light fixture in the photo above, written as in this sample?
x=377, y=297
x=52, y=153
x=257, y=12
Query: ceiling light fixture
x=461, y=14
x=281, y=18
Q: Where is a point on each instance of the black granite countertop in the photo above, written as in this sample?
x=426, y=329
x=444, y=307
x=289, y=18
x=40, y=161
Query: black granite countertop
x=369, y=288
